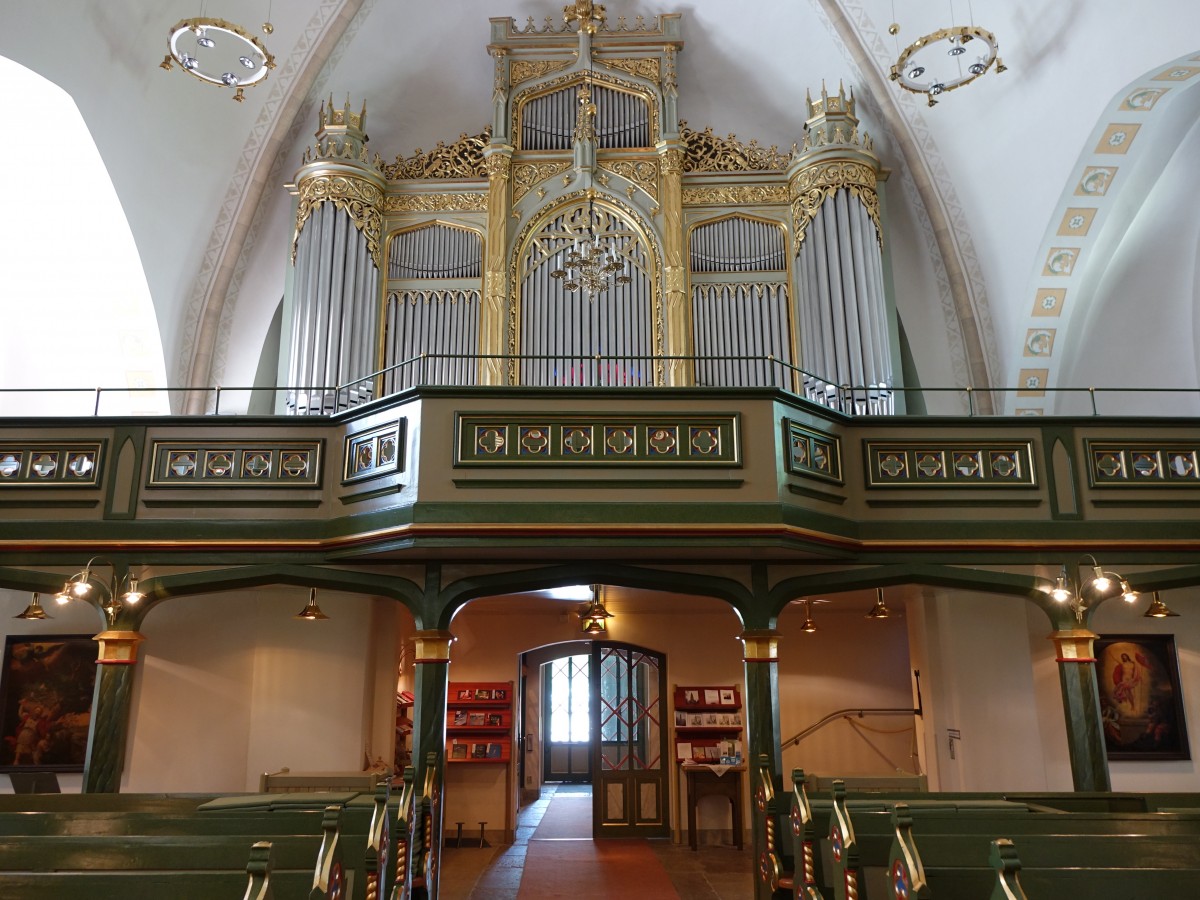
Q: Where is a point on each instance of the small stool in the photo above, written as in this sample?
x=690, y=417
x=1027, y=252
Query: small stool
x=481, y=841
x=458, y=836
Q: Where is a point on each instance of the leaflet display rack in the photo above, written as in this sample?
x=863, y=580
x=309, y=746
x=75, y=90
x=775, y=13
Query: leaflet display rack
x=479, y=722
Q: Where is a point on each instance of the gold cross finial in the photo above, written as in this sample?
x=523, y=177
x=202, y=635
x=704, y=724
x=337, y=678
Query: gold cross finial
x=589, y=15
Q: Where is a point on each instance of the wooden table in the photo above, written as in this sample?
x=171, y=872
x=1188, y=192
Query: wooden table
x=702, y=781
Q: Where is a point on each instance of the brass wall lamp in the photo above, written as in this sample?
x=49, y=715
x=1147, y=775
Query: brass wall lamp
x=1081, y=595
x=82, y=586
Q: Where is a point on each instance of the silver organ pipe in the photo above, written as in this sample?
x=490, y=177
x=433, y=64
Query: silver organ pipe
x=562, y=332
x=744, y=316
x=841, y=307
x=622, y=119
x=333, y=330
x=431, y=318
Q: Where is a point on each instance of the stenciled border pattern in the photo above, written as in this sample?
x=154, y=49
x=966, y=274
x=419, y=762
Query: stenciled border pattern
x=50, y=464
x=224, y=464
x=812, y=453
x=515, y=439
x=1143, y=464
x=949, y=464
x=370, y=454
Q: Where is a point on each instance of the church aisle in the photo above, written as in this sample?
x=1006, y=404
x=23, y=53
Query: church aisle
x=554, y=856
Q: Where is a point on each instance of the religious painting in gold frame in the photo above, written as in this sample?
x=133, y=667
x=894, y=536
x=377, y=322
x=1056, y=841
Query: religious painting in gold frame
x=1141, y=705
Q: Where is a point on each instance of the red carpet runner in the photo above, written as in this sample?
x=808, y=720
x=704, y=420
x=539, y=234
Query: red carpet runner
x=563, y=860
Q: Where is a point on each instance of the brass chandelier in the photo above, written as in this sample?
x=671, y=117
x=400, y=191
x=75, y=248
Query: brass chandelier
x=946, y=59
x=219, y=53
x=592, y=264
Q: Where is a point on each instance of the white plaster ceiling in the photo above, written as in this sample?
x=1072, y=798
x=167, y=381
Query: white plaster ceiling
x=200, y=177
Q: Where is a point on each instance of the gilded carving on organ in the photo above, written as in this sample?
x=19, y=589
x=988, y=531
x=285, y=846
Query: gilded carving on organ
x=523, y=70
x=813, y=185
x=706, y=152
x=357, y=197
x=401, y=203
x=646, y=67
x=736, y=196
x=642, y=172
x=526, y=176
x=462, y=159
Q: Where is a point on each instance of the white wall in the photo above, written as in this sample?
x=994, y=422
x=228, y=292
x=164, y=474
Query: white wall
x=978, y=679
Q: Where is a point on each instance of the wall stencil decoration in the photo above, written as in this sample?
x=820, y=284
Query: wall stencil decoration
x=1140, y=700
x=46, y=702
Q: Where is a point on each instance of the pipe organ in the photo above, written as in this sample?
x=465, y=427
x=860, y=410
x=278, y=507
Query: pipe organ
x=589, y=237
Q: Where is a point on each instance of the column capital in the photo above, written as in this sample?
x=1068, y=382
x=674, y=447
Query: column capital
x=761, y=645
x=118, y=648
x=432, y=646
x=1074, y=645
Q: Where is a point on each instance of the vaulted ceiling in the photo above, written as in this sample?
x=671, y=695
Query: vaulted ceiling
x=986, y=189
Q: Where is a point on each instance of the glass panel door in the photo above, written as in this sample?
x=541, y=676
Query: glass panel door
x=630, y=786
x=567, y=722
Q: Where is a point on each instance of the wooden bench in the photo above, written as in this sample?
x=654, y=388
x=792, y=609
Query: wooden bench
x=1085, y=866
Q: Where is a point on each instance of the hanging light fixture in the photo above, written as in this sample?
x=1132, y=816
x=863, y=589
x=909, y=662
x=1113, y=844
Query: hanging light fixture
x=311, y=611
x=1101, y=585
x=594, y=618
x=219, y=52
x=809, y=625
x=81, y=585
x=879, y=610
x=1156, y=610
x=33, y=610
x=945, y=60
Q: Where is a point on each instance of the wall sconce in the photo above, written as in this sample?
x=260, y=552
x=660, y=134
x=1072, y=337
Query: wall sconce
x=34, y=610
x=1100, y=586
x=594, y=618
x=1157, y=609
x=80, y=587
x=311, y=612
x=879, y=610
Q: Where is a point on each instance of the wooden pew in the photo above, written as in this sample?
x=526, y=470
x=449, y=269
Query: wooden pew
x=405, y=816
x=807, y=863
x=258, y=872
x=1083, y=865
x=771, y=871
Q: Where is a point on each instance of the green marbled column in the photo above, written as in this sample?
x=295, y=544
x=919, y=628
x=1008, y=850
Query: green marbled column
x=112, y=703
x=430, y=684
x=762, y=727
x=1081, y=707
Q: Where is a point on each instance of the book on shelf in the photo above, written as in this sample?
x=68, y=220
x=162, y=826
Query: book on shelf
x=494, y=719
x=683, y=750
x=727, y=697
x=460, y=717
x=712, y=697
x=476, y=718
x=479, y=751
x=495, y=751
x=458, y=751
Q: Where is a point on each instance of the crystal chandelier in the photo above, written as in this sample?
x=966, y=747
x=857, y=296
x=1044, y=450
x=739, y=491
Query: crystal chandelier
x=946, y=59
x=592, y=265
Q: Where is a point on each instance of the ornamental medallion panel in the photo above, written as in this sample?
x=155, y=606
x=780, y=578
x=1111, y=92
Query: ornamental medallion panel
x=236, y=464
x=949, y=464
x=1143, y=464
x=53, y=464
x=812, y=453
x=516, y=439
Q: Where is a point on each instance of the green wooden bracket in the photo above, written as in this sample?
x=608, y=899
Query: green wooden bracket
x=1008, y=866
x=329, y=878
x=376, y=867
x=843, y=847
x=258, y=871
x=906, y=874
x=804, y=835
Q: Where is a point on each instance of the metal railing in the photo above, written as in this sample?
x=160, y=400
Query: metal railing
x=578, y=371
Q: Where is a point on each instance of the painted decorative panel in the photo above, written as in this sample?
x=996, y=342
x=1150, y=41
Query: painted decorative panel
x=55, y=464
x=952, y=464
x=379, y=451
x=236, y=464
x=1158, y=464
x=812, y=453
x=666, y=440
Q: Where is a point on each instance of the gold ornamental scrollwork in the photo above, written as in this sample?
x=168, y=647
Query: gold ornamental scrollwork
x=357, y=197
x=642, y=172
x=523, y=70
x=740, y=195
x=814, y=185
x=707, y=152
x=647, y=67
x=462, y=159
x=403, y=203
x=527, y=176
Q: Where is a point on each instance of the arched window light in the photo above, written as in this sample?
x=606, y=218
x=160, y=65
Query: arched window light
x=76, y=308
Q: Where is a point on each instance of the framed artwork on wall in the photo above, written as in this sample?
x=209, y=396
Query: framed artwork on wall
x=1141, y=705
x=46, y=702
